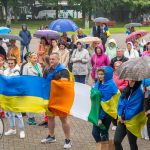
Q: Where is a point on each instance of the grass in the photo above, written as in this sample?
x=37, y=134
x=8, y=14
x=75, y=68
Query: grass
x=34, y=25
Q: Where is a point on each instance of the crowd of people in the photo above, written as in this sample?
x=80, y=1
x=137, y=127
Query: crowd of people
x=86, y=62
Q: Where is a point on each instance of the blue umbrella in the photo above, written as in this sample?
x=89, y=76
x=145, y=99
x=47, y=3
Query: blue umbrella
x=4, y=30
x=63, y=25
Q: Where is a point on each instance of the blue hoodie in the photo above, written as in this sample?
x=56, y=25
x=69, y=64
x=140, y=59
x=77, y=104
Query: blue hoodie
x=25, y=36
x=107, y=89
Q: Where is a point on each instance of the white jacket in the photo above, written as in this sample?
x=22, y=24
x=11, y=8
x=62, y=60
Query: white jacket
x=12, y=72
x=132, y=54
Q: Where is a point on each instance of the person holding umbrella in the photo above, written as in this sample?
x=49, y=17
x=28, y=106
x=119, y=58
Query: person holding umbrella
x=131, y=113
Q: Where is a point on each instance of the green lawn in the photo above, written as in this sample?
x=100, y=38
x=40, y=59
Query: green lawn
x=34, y=25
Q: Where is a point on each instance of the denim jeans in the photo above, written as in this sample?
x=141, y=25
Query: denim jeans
x=80, y=78
x=12, y=120
x=120, y=133
x=100, y=134
x=22, y=49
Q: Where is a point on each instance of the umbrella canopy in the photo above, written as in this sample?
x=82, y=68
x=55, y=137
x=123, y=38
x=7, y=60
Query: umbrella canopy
x=4, y=30
x=135, y=69
x=129, y=25
x=133, y=36
x=10, y=37
x=101, y=19
x=63, y=25
x=89, y=40
x=48, y=34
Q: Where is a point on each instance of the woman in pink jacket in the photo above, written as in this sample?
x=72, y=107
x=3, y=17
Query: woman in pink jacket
x=98, y=59
x=147, y=52
x=120, y=83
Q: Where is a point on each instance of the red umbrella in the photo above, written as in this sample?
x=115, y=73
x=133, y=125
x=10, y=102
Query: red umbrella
x=133, y=36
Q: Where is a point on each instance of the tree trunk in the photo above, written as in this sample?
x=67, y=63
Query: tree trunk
x=57, y=9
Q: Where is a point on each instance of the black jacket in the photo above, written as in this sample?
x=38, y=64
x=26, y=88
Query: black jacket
x=2, y=51
x=123, y=59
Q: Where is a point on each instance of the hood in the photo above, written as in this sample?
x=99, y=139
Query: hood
x=101, y=47
x=108, y=73
x=24, y=25
x=112, y=41
x=131, y=44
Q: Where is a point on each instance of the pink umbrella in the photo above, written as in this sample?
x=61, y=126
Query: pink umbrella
x=133, y=36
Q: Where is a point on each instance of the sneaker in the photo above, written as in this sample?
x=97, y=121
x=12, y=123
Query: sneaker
x=33, y=121
x=42, y=123
x=22, y=134
x=10, y=132
x=146, y=138
x=114, y=128
x=67, y=144
x=29, y=122
x=49, y=139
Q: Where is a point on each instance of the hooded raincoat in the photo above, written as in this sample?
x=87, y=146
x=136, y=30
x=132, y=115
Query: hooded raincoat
x=132, y=53
x=98, y=60
x=111, y=51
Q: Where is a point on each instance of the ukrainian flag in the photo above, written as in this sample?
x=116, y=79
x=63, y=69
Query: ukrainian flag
x=132, y=111
x=24, y=93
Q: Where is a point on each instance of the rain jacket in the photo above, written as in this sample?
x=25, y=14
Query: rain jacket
x=120, y=83
x=25, y=36
x=80, y=68
x=111, y=51
x=146, y=53
x=108, y=89
x=98, y=60
x=132, y=54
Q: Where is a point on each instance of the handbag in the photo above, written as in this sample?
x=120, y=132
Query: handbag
x=105, y=145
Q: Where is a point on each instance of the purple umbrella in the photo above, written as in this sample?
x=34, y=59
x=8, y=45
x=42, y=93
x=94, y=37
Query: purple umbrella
x=48, y=34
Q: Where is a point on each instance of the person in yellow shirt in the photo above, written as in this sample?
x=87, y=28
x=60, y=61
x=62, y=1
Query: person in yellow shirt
x=13, y=50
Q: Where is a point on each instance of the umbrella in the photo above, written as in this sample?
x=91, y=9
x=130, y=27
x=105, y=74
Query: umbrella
x=63, y=25
x=135, y=69
x=10, y=37
x=129, y=25
x=101, y=19
x=89, y=40
x=133, y=36
x=48, y=34
x=4, y=30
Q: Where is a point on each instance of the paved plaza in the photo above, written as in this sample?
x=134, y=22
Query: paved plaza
x=80, y=133
x=80, y=130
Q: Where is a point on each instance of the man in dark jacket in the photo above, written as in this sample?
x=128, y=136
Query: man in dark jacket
x=119, y=57
x=26, y=38
x=97, y=32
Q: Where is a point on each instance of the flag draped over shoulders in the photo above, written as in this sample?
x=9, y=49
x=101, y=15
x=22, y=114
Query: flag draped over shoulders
x=132, y=111
x=109, y=97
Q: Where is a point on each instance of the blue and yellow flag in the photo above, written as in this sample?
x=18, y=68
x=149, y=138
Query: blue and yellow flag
x=132, y=111
x=24, y=93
